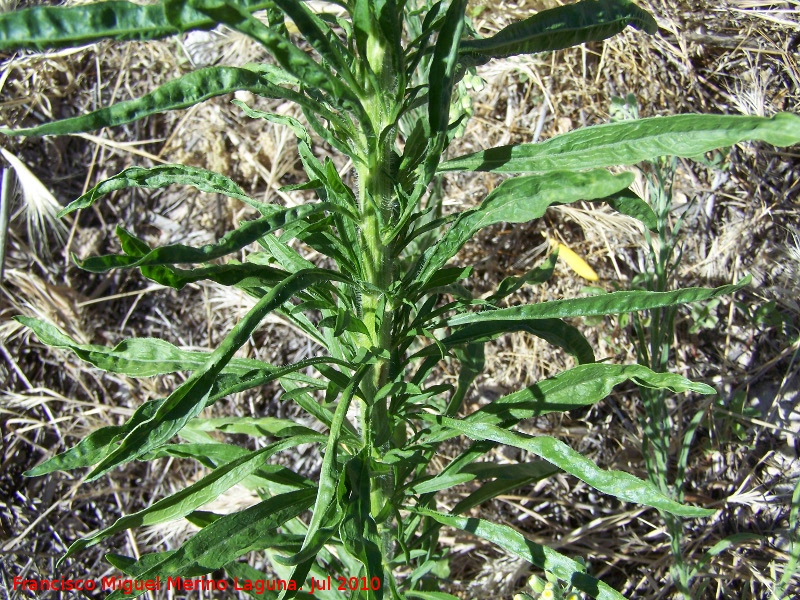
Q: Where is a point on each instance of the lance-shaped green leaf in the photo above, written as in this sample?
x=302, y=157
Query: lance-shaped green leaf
x=146, y=357
x=321, y=38
x=518, y=200
x=289, y=56
x=554, y=331
x=139, y=357
x=326, y=515
x=606, y=304
x=358, y=530
x=508, y=477
x=247, y=233
x=629, y=203
x=580, y=386
x=97, y=445
x=183, y=92
x=196, y=495
x=244, y=276
x=560, y=27
x=512, y=541
x=441, y=76
x=189, y=399
x=230, y=537
x=473, y=360
x=631, y=142
x=50, y=27
x=162, y=176
x=253, y=426
x=429, y=485
x=296, y=126
x=536, y=276
x=329, y=476
x=615, y=483
x=213, y=455
x=239, y=375
x=131, y=566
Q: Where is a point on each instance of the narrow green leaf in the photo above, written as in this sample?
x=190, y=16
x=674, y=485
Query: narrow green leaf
x=321, y=38
x=554, y=331
x=183, y=92
x=606, y=304
x=139, y=357
x=252, y=426
x=247, y=233
x=420, y=44
x=543, y=557
x=146, y=357
x=196, y=495
x=286, y=257
x=447, y=276
x=536, y=276
x=561, y=27
x=190, y=398
x=290, y=122
x=358, y=530
x=493, y=489
x=615, y=483
x=289, y=56
x=245, y=276
x=329, y=476
x=441, y=78
x=274, y=478
x=230, y=537
x=442, y=482
x=629, y=203
x=536, y=469
x=518, y=200
x=300, y=396
x=50, y=27
x=211, y=455
x=580, y=386
x=473, y=360
x=131, y=566
x=97, y=445
x=430, y=595
x=238, y=376
x=162, y=176
x=631, y=142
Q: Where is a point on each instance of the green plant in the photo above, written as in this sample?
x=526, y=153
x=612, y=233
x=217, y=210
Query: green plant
x=387, y=313
x=665, y=423
x=655, y=335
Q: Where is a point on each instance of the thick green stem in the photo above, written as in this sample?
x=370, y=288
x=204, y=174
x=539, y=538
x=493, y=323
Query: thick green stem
x=376, y=205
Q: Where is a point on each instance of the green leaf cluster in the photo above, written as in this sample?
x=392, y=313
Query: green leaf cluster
x=376, y=82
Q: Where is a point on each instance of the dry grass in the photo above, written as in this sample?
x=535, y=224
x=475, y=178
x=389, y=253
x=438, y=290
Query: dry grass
x=738, y=56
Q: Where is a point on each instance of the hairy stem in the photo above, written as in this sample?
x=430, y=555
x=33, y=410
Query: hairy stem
x=376, y=205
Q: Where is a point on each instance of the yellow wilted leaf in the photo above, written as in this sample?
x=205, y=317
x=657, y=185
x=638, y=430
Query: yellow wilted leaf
x=574, y=261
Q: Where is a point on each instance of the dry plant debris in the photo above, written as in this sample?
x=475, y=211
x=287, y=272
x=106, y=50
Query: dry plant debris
x=736, y=56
